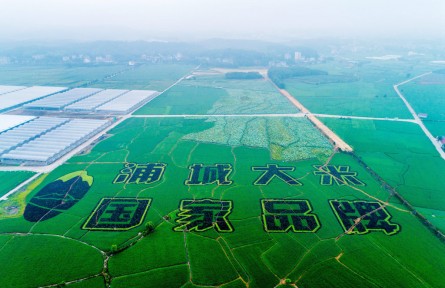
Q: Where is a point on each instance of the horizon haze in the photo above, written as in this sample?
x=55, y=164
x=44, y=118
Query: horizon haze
x=281, y=20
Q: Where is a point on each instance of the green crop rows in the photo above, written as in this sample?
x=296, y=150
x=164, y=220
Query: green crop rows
x=233, y=201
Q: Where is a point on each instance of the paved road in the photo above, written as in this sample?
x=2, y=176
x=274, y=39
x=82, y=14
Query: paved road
x=417, y=120
x=363, y=118
x=296, y=115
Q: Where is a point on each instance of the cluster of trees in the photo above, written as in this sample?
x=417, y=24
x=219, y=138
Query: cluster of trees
x=243, y=75
x=149, y=228
x=279, y=74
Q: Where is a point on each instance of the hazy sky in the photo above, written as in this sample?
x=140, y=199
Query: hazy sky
x=195, y=19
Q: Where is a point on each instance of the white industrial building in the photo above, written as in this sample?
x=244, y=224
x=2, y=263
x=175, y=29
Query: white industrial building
x=44, y=140
x=19, y=97
x=61, y=100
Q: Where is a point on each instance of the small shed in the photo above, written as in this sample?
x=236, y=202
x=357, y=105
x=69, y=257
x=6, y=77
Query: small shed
x=422, y=115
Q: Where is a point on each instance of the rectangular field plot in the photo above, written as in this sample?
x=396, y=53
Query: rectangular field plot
x=19, y=97
x=350, y=98
x=214, y=94
x=61, y=100
x=362, y=88
x=43, y=141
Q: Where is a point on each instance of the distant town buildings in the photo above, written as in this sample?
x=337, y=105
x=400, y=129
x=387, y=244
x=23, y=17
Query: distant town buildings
x=298, y=56
x=4, y=60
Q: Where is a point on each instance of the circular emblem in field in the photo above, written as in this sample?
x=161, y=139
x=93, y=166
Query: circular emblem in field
x=58, y=196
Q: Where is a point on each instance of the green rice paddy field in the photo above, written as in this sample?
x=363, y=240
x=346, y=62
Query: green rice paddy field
x=56, y=75
x=146, y=77
x=10, y=180
x=212, y=94
x=356, y=88
x=427, y=95
x=232, y=201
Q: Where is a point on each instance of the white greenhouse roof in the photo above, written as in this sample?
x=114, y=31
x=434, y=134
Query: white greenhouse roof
x=88, y=104
x=60, y=100
x=10, y=121
x=19, y=97
x=51, y=144
x=6, y=89
x=128, y=101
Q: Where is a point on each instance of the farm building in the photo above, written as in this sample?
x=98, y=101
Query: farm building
x=127, y=102
x=91, y=103
x=61, y=100
x=94, y=100
x=10, y=121
x=16, y=98
x=6, y=89
x=44, y=140
x=422, y=115
x=442, y=141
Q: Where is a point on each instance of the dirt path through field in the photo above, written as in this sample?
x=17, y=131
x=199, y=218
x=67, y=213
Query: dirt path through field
x=334, y=138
